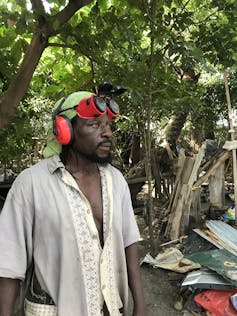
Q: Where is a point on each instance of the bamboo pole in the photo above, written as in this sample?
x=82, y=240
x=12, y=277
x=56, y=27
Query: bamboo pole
x=232, y=136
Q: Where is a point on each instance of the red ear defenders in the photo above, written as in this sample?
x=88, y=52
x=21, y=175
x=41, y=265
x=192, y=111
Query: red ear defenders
x=87, y=108
x=62, y=127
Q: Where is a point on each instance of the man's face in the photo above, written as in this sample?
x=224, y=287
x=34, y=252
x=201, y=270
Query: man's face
x=92, y=138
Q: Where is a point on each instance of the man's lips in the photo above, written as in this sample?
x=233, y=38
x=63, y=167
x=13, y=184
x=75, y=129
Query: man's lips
x=105, y=145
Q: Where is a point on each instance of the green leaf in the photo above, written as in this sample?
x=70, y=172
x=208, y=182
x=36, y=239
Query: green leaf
x=7, y=38
x=16, y=51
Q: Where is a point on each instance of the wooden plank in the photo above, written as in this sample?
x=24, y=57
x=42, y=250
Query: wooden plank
x=217, y=187
x=197, y=163
x=188, y=199
x=136, y=180
x=219, y=161
x=230, y=145
x=180, y=165
x=174, y=231
x=175, y=192
x=182, y=197
x=181, y=203
x=195, y=206
x=187, y=170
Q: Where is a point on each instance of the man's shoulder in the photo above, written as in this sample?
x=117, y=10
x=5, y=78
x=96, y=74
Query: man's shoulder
x=52, y=163
x=115, y=171
x=41, y=168
x=117, y=175
x=42, y=164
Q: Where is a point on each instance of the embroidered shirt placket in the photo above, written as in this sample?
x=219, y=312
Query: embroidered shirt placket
x=88, y=244
x=99, y=274
x=108, y=284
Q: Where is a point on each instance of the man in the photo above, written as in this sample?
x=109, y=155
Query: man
x=67, y=229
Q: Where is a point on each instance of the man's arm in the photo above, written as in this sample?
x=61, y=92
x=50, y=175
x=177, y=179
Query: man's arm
x=134, y=280
x=9, y=289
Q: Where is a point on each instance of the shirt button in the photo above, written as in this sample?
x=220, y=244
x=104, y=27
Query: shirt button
x=88, y=211
x=103, y=287
x=94, y=237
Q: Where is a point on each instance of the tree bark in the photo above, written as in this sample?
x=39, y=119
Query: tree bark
x=174, y=128
x=21, y=81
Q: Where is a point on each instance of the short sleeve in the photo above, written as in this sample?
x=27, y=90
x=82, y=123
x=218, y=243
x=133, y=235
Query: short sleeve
x=130, y=229
x=16, y=221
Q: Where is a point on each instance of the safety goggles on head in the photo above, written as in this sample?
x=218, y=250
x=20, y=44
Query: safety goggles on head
x=94, y=106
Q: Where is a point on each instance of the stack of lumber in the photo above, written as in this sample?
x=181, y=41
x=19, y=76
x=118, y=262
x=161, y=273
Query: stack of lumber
x=187, y=188
x=181, y=198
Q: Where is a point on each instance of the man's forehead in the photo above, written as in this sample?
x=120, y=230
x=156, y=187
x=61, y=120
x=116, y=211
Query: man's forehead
x=102, y=117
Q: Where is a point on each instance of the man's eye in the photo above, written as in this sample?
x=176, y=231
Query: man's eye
x=94, y=125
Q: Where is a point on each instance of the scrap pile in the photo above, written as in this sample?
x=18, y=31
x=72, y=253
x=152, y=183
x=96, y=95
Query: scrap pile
x=206, y=261
x=192, y=172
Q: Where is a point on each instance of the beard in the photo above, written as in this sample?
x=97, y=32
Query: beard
x=97, y=159
x=101, y=160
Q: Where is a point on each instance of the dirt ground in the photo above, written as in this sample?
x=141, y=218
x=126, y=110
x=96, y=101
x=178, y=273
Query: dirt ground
x=161, y=289
x=160, y=294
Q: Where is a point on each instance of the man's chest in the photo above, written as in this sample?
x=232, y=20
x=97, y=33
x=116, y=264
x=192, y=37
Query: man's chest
x=92, y=190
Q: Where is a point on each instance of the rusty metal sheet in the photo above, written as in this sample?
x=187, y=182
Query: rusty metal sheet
x=224, y=231
x=220, y=234
x=204, y=235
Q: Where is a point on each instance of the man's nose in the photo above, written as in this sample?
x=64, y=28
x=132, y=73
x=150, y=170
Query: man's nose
x=106, y=130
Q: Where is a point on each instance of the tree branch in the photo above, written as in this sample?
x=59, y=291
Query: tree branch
x=64, y=15
x=20, y=82
x=37, y=5
x=39, y=12
x=76, y=47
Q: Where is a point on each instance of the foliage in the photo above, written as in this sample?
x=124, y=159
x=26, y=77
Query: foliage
x=22, y=141
x=111, y=40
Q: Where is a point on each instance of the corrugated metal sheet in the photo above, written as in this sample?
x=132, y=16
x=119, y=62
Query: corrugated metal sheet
x=224, y=232
x=220, y=234
x=219, y=260
x=204, y=235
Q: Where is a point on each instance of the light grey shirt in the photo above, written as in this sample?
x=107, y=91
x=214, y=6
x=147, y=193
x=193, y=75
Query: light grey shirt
x=36, y=222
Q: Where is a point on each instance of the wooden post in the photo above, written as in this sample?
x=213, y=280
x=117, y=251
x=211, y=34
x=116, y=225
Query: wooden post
x=217, y=187
x=232, y=138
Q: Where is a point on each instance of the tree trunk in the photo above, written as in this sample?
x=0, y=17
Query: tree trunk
x=174, y=128
x=135, y=150
x=21, y=81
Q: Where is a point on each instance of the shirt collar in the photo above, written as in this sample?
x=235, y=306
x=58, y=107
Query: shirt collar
x=55, y=163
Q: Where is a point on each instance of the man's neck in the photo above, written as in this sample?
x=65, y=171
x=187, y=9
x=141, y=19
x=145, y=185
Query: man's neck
x=77, y=164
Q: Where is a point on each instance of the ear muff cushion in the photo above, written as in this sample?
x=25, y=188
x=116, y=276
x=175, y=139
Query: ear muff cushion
x=63, y=130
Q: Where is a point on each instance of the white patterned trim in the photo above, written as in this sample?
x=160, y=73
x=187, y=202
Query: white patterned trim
x=110, y=290
x=97, y=263
x=89, y=249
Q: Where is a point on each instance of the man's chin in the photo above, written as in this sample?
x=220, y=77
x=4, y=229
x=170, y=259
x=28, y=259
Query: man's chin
x=101, y=160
